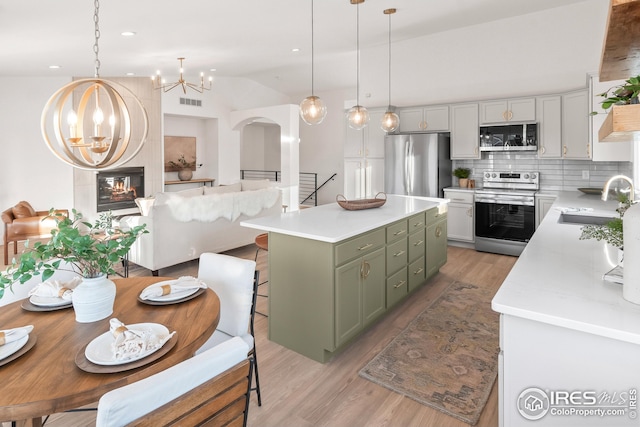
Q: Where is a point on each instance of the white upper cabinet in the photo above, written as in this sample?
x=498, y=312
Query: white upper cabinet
x=575, y=125
x=465, y=132
x=508, y=110
x=604, y=151
x=549, y=113
x=425, y=119
x=367, y=142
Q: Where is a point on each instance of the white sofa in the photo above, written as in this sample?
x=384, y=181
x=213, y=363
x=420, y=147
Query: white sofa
x=183, y=225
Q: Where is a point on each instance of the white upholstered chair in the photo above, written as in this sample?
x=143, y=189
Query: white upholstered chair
x=235, y=281
x=193, y=392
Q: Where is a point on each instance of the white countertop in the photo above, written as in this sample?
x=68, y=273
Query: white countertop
x=331, y=223
x=558, y=278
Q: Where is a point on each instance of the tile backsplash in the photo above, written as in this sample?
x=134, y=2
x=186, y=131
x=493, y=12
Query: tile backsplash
x=554, y=174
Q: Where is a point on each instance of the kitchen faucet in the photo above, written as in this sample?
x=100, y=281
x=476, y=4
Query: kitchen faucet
x=605, y=190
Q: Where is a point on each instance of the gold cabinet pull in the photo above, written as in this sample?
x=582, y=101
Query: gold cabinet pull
x=418, y=243
x=418, y=271
x=543, y=150
x=475, y=151
x=367, y=246
x=402, y=282
x=470, y=212
x=397, y=254
x=399, y=232
x=365, y=269
x=505, y=115
x=418, y=224
x=588, y=150
x=564, y=150
x=438, y=231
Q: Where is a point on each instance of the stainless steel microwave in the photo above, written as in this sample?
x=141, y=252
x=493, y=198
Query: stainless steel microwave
x=516, y=137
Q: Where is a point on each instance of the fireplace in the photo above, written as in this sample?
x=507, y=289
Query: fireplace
x=118, y=188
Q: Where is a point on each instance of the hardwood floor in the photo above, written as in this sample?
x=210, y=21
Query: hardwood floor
x=297, y=391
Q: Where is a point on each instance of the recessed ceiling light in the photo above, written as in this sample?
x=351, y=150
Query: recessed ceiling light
x=130, y=74
x=212, y=69
x=128, y=33
x=54, y=67
x=295, y=49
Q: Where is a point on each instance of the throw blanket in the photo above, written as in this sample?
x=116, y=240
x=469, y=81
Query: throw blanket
x=210, y=207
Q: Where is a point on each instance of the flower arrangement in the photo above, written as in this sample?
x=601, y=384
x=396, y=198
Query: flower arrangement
x=182, y=163
x=77, y=243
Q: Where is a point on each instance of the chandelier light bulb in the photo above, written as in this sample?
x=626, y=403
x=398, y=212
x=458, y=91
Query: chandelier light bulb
x=313, y=110
x=358, y=117
x=390, y=121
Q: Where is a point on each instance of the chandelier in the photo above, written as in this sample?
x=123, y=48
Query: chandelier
x=159, y=83
x=86, y=142
x=358, y=116
x=312, y=108
x=390, y=120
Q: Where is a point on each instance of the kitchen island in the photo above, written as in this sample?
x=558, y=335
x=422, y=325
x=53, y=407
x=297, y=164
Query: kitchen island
x=333, y=272
x=570, y=343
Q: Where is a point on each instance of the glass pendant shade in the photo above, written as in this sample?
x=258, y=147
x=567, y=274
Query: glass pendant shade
x=313, y=110
x=358, y=117
x=390, y=121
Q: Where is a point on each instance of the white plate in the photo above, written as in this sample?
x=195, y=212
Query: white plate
x=100, y=350
x=172, y=296
x=8, y=349
x=48, y=301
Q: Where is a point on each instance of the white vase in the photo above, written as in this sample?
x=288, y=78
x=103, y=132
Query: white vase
x=185, y=175
x=93, y=299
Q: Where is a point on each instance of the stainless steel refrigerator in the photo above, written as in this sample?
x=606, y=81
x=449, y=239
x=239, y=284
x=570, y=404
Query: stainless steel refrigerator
x=417, y=164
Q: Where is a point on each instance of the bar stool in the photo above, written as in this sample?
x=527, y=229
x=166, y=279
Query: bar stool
x=262, y=242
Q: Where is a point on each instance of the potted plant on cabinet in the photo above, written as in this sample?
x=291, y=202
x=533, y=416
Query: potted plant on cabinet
x=83, y=248
x=463, y=176
x=184, y=167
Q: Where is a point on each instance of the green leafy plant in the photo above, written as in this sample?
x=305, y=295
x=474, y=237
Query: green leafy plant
x=182, y=163
x=462, y=172
x=621, y=94
x=79, y=244
x=611, y=232
x=104, y=221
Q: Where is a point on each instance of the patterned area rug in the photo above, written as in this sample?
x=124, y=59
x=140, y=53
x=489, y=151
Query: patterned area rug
x=447, y=357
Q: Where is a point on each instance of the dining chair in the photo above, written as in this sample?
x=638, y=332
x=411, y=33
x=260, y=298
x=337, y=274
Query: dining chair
x=210, y=388
x=235, y=281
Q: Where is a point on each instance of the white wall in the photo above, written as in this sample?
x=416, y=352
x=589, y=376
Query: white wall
x=29, y=170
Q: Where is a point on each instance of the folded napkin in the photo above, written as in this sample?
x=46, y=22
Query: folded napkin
x=56, y=288
x=11, y=335
x=129, y=344
x=183, y=283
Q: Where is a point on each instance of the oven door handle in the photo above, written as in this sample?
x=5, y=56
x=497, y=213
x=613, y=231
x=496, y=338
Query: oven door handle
x=504, y=200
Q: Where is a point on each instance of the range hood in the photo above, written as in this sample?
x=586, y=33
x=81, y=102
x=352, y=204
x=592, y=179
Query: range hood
x=621, y=60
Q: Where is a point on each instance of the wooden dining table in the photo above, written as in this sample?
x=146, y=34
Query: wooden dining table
x=46, y=379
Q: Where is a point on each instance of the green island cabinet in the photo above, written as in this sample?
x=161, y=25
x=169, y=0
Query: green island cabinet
x=322, y=295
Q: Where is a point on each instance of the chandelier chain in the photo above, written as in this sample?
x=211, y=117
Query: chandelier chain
x=312, y=64
x=358, y=54
x=389, y=61
x=96, y=49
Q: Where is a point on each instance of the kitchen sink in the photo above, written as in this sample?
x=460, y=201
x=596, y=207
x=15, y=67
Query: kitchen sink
x=582, y=219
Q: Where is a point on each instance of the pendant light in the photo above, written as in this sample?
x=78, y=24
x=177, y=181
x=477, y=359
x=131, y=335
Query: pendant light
x=358, y=116
x=88, y=143
x=390, y=120
x=312, y=108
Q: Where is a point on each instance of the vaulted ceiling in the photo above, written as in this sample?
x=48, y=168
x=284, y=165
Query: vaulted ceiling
x=241, y=38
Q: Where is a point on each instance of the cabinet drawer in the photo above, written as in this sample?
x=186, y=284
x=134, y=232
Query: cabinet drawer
x=416, y=222
x=396, y=256
x=416, y=273
x=416, y=244
x=396, y=231
x=433, y=215
x=459, y=196
x=359, y=246
x=396, y=287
